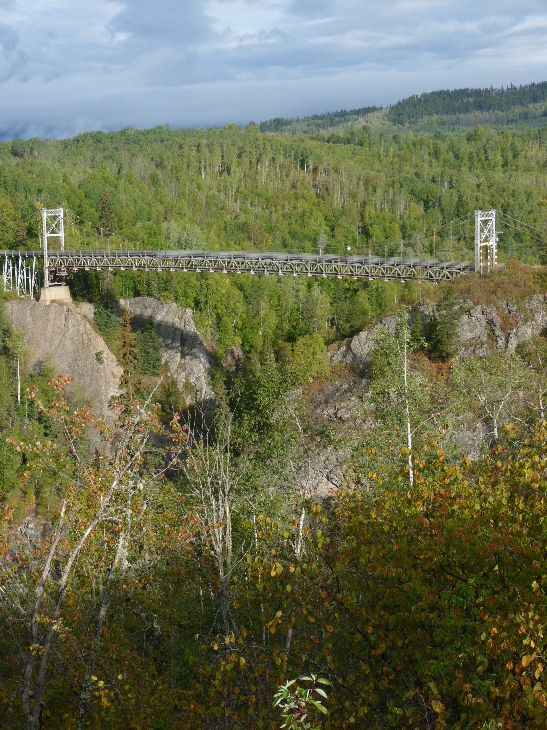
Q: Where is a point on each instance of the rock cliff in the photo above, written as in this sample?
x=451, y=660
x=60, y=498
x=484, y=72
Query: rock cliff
x=63, y=334
x=485, y=328
x=60, y=334
x=481, y=330
x=184, y=352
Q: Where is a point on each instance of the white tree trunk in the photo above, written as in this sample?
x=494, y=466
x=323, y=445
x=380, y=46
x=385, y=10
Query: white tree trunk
x=407, y=413
x=106, y=596
x=35, y=629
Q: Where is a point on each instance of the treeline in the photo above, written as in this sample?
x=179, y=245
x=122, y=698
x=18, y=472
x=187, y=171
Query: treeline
x=509, y=105
x=234, y=189
x=315, y=123
x=455, y=102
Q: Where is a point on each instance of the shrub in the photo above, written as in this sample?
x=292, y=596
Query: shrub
x=310, y=358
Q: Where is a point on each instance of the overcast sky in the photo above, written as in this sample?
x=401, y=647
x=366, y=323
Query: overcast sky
x=74, y=65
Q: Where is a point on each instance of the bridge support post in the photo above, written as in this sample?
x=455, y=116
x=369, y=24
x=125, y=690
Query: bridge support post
x=53, y=226
x=485, y=238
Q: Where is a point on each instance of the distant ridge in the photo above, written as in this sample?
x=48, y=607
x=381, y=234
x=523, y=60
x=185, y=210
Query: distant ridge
x=465, y=101
x=316, y=122
x=506, y=106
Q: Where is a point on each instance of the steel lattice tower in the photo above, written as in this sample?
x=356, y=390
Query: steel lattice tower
x=485, y=237
x=52, y=227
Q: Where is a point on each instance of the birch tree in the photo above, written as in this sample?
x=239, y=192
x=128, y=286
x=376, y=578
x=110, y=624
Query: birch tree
x=98, y=492
x=534, y=356
x=19, y=352
x=212, y=481
x=492, y=388
x=400, y=399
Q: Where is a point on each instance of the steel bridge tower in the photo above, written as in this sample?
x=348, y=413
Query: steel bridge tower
x=485, y=238
x=53, y=226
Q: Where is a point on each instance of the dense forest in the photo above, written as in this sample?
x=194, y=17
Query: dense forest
x=235, y=189
x=513, y=106
x=232, y=189
x=464, y=101
x=174, y=567
x=314, y=123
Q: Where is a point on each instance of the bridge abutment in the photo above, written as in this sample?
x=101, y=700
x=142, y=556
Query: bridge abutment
x=58, y=293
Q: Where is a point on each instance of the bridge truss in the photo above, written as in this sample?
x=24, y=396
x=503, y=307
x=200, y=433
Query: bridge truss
x=61, y=263
x=20, y=273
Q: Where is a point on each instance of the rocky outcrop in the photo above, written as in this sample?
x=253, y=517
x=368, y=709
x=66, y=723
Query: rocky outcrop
x=482, y=330
x=324, y=473
x=357, y=349
x=184, y=351
x=362, y=344
x=473, y=333
x=59, y=333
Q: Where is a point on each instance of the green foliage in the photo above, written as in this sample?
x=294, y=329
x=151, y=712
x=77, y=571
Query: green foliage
x=417, y=335
x=315, y=123
x=464, y=101
x=298, y=705
x=493, y=388
x=504, y=106
x=310, y=358
x=107, y=217
x=12, y=231
x=149, y=346
x=256, y=396
x=442, y=332
x=230, y=189
x=170, y=399
x=129, y=357
x=424, y=606
x=106, y=319
x=423, y=601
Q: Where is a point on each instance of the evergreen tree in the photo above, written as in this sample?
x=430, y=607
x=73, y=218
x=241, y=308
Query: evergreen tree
x=107, y=216
x=442, y=333
x=149, y=346
x=129, y=357
x=104, y=316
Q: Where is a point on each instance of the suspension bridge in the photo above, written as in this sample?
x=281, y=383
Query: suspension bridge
x=33, y=271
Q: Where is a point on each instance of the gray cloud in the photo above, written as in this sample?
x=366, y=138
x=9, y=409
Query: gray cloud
x=71, y=65
x=164, y=22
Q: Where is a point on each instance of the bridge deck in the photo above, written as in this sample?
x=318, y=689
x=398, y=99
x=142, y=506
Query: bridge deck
x=327, y=265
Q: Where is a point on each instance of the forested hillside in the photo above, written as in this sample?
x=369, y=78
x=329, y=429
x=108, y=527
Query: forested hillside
x=461, y=102
x=232, y=189
x=315, y=123
x=512, y=106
